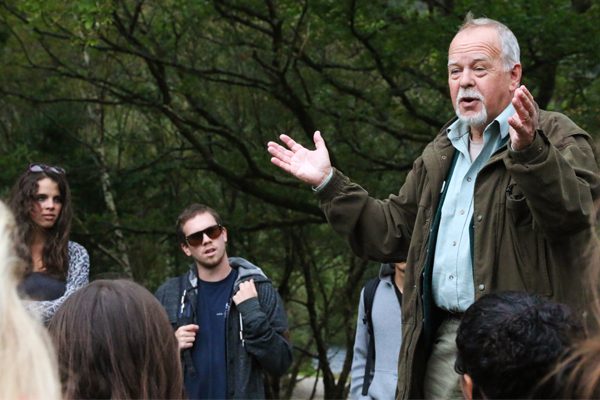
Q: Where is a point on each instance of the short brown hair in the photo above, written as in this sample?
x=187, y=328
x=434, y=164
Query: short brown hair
x=190, y=212
x=114, y=340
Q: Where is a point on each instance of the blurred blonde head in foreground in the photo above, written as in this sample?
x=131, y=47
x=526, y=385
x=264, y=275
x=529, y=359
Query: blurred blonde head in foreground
x=27, y=359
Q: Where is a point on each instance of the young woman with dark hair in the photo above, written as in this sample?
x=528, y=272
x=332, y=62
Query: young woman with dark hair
x=56, y=267
x=114, y=340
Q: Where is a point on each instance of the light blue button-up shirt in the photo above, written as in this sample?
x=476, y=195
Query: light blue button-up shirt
x=453, y=287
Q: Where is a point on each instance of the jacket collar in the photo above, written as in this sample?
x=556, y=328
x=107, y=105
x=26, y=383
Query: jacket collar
x=244, y=268
x=437, y=162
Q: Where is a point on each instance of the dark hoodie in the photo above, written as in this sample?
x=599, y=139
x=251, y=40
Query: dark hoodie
x=256, y=329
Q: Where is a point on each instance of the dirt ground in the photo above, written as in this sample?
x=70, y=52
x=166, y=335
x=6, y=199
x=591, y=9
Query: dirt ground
x=304, y=388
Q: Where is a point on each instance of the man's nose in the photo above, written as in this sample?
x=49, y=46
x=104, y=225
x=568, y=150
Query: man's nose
x=466, y=78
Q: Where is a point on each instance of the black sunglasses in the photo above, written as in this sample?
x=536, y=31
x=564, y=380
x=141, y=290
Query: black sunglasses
x=196, y=238
x=45, y=168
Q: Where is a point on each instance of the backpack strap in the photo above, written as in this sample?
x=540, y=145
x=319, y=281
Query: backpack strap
x=184, y=319
x=368, y=297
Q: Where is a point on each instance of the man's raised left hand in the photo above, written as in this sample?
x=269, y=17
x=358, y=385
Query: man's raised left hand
x=524, y=122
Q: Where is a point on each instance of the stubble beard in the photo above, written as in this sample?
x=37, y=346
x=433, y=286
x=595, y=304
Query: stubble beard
x=210, y=264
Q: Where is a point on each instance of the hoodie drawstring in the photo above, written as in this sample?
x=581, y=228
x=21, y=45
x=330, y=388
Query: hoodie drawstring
x=241, y=330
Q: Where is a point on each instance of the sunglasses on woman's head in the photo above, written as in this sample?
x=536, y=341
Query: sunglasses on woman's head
x=196, y=238
x=45, y=168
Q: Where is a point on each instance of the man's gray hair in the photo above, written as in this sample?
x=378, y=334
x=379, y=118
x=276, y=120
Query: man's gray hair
x=511, y=54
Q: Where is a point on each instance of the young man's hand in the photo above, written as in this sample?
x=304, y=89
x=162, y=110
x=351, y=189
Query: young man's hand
x=247, y=291
x=186, y=335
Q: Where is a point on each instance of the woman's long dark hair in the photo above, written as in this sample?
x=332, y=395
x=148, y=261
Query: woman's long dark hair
x=114, y=340
x=55, y=255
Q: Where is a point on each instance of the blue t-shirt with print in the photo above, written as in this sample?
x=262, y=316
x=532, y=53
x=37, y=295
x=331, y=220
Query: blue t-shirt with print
x=209, y=352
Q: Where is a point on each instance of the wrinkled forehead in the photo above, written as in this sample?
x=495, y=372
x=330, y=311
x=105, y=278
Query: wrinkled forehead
x=480, y=42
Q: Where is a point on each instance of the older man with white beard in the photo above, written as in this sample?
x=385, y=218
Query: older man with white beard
x=502, y=199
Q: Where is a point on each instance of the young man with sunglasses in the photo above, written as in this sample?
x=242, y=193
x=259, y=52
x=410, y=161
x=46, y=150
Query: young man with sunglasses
x=229, y=321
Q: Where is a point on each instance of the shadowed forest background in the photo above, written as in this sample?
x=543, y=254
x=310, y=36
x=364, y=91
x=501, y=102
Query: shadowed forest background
x=152, y=105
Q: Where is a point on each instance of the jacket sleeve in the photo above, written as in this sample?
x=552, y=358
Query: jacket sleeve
x=558, y=176
x=359, y=359
x=167, y=295
x=378, y=230
x=77, y=277
x=265, y=330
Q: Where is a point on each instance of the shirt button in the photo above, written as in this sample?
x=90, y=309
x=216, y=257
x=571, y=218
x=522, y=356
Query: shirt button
x=454, y=243
x=451, y=277
x=461, y=212
x=468, y=179
x=481, y=287
x=479, y=217
x=443, y=157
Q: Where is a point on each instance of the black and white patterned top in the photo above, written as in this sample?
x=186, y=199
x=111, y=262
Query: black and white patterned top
x=78, y=276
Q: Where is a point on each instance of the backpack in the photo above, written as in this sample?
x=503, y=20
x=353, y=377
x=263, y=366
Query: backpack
x=368, y=296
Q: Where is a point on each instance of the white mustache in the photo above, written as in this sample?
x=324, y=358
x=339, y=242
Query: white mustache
x=469, y=93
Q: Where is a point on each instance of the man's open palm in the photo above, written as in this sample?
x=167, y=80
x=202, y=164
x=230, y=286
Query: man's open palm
x=310, y=166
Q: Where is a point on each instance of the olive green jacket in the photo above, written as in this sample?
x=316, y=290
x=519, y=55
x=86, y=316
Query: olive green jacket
x=533, y=226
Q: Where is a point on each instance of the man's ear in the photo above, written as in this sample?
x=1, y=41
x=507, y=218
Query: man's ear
x=224, y=234
x=185, y=249
x=466, y=385
x=515, y=77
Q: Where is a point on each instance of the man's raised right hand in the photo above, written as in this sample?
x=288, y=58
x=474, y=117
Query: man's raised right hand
x=310, y=166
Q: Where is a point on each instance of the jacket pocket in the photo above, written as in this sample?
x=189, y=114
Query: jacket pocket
x=525, y=262
x=516, y=206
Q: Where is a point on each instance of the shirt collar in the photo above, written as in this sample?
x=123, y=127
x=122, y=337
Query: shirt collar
x=502, y=120
x=458, y=128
